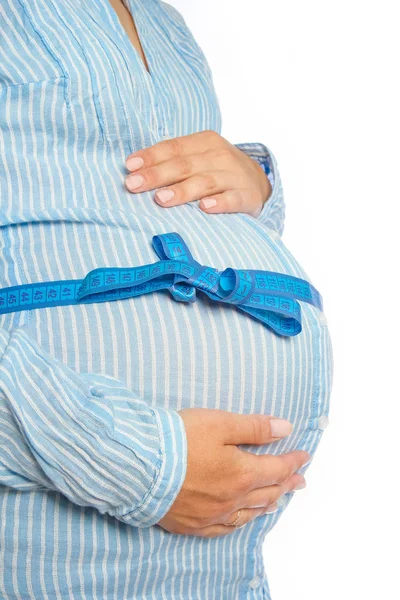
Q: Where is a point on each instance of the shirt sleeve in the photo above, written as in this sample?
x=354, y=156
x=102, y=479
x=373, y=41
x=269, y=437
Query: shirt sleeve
x=273, y=212
x=85, y=435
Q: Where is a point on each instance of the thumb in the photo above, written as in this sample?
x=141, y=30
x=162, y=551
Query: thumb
x=255, y=428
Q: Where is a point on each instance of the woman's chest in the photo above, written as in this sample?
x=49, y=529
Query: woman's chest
x=93, y=60
x=76, y=98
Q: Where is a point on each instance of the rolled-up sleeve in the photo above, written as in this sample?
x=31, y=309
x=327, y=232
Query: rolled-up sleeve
x=273, y=212
x=85, y=435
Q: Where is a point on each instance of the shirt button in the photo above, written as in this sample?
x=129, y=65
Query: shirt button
x=98, y=391
x=323, y=422
x=322, y=318
x=255, y=582
x=274, y=235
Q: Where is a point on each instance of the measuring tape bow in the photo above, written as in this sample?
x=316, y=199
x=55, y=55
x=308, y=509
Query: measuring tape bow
x=269, y=297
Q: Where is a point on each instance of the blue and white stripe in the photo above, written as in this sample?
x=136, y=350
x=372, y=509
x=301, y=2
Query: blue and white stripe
x=92, y=449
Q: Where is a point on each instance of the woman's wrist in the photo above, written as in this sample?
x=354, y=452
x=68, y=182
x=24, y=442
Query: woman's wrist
x=265, y=185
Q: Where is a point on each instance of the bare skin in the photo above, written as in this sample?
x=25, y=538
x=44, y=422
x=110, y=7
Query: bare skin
x=220, y=477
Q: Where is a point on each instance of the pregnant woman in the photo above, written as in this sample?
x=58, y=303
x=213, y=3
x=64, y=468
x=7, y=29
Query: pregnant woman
x=145, y=449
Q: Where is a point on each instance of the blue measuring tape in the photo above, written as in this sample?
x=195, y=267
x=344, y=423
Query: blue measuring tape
x=269, y=297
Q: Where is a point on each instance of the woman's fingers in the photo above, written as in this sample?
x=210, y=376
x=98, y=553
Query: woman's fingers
x=165, y=173
x=262, y=470
x=239, y=200
x=246, y=515
x=166, y=150
x=179, y=168
x=260, y=502
x=190, y=180
x=218, y=191
x=264, y=497
x=198, y=186
x=252, y=428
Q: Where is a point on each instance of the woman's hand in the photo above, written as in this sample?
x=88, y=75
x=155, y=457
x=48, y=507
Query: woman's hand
x=200, y=166
x=222, y=478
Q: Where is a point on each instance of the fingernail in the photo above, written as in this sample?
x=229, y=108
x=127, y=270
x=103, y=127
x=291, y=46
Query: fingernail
x=208, y=202
x=164, y=195
x=300, y=486
x=134, y=182
x=280, y=427
x=132, y=164
x=308, y=462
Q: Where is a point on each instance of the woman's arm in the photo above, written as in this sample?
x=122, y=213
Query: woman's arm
x=86, y=436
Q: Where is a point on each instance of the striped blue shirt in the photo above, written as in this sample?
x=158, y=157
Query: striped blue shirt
x=92, y=449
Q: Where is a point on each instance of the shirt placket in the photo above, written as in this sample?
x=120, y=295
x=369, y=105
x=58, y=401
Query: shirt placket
x=138, y=90
x=161, y=128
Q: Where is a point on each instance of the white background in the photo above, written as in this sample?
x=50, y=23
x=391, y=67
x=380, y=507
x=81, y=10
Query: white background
x=317, y=82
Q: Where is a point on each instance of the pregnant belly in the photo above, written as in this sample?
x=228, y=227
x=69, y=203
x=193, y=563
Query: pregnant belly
x=173, y=355
x=179, y=355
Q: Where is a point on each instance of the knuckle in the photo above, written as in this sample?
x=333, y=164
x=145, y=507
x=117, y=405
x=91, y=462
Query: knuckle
x=208, y=182
x=175, y=146
x=223, y=154
x=210, y=134
x=243, y=480
x=246, y=199
x=260, y=428
x=184, y=164
x=283, y=475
